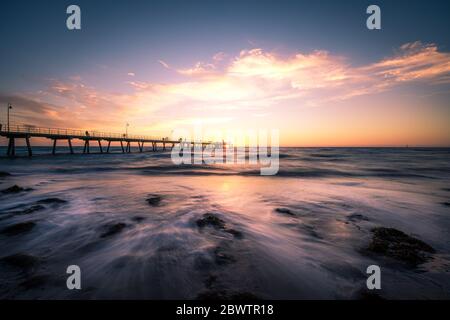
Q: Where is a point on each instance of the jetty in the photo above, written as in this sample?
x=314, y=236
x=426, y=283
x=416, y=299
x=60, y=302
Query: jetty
x=103, y=139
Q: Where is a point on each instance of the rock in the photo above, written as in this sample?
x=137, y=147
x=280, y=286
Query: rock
x=211, y=220
x=113, y=229
x=33, y=208
x=398, y=245
x=221, y=257
x=4, y=174
x=357, y=217
x=35, y=281
x=237, y=234
x=447, y=204
x=14, y=189
x=285, y=211
x=154, y=200
x=138, y=219
x=20, y=260
x=52, y=201
x=19, y=228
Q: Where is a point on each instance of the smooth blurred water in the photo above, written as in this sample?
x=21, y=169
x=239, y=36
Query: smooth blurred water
x=336, y=194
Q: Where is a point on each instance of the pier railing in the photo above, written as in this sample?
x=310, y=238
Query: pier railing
x=82, y=134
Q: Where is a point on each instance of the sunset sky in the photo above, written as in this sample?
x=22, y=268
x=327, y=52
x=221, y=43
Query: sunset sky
x=310, y=69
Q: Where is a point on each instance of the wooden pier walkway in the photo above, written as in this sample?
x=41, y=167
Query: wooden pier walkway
x=88, y=137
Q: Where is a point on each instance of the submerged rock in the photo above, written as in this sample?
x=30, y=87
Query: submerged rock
x=20, y=260
x=19, y=228
x=237, y=234
x=29, y=210
x=35, y=281
x=357, y=217
x=285, y=211
x=447, y=204
x=4, y=174
x=154, y=200
x=113, y=229
x=52, y=201
x=211, y=220
x=398, y=245
x=138, y=219
x=221, y=257
x=14, y=189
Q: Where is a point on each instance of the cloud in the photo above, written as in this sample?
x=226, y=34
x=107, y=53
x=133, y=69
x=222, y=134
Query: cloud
x=165, y=65
x=249, y=83
x=131, y=74
x=200, y=69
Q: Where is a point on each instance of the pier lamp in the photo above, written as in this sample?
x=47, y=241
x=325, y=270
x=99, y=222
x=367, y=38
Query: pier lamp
x=9, y=108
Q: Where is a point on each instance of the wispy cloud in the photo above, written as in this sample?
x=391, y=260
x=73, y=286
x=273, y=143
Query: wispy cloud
x=253, y=80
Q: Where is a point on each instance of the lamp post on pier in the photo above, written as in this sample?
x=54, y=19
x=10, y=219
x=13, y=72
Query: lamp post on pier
x=9, y=108
x=126, y=130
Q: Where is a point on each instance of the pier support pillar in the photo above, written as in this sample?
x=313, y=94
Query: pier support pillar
x=100, y=146
x=30, y=153
x=69, y=141
x=128, y=149
x=141, y=146
x=109, y=144
x=54, y=147
x=11, y=147
x=121, y=144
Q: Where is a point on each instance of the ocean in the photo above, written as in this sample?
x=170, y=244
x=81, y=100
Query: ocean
x=140, y=227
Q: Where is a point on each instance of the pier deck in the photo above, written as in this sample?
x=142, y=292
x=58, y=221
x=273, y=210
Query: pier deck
x=14, y=132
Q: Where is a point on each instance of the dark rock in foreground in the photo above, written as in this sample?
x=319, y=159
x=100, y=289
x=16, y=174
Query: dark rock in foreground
x=4, y=174
x=154, y=200
x=285, y=211
x=31, y=209
x=14, y=189
x=221, y=257
x=398, y=245
x=36, y=281
x=357, y=217
x=211, y=220
x=237, y=234
x=19, y=228
x=113, y=229
x=52, y=201
x=20, y=260
x=138, y=219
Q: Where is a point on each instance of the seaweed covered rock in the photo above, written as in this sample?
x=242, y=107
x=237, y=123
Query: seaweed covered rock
x=4, y=174
x=398, y=245
x=52, y=201
x=20, y=260
x=154, y=200
x=211, y=220
x=19, y=228
x=112, y=229
x=285, y=211
x=14, y=189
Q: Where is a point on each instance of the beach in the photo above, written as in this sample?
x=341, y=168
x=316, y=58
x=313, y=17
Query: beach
x=140, y=227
